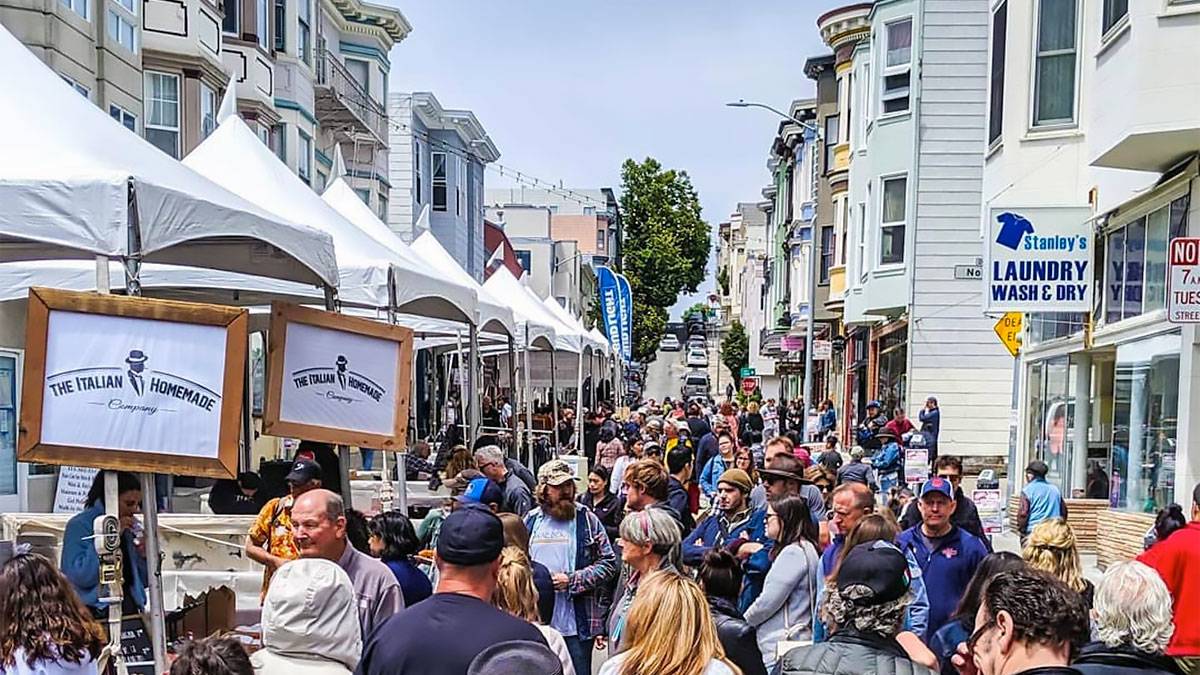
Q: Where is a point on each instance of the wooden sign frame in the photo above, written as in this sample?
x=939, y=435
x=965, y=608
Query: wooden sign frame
x=283, y=314
x=235, y=321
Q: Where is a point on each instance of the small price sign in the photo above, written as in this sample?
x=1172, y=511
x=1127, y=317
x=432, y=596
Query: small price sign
x=1183, y=281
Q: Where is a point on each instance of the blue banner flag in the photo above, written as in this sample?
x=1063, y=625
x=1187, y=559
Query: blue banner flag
x=610, y=306
x=625, y=316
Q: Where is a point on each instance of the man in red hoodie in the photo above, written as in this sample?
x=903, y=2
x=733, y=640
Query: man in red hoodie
x=1177, y=561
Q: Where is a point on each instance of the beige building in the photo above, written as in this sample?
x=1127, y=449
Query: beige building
x=309, y=73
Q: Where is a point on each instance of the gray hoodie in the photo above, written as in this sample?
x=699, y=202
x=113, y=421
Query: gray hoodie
x=309, y=622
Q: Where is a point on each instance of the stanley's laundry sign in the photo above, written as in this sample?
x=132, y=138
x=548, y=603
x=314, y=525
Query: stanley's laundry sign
x=1038, y=259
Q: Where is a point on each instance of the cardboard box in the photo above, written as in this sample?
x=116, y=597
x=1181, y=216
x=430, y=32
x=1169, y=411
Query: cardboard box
x=213, y=612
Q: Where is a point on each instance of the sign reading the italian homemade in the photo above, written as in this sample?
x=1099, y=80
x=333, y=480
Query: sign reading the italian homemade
x=133, y=384
x=1038, y=259
x=337, y=379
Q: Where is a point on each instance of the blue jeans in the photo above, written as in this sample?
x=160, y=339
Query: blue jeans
x=368, y=459
x=581, y=653
x=887, y=481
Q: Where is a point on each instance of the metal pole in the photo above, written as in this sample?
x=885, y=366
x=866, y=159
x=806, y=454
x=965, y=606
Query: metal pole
x=473, y=382
x=528, y=402
x=512, y=391
x=247, y=454
x=462, y=394
x=579, y=405
x=554, y=398
x=812, y=310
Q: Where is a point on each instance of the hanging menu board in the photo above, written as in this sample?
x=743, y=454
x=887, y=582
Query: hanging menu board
x=337, y=378
x=132, y=384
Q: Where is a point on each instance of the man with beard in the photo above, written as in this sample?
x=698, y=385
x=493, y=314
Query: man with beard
x=571, y=542
x=733, y=524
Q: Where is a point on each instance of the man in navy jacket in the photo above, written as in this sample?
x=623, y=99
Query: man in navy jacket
x=732, y=522
x=947, y=554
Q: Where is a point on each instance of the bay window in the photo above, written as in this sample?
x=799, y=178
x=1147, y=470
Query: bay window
x=897, y=66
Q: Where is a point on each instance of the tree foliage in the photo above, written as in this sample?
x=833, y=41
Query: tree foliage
x=723, y=281
x=666, y=245
x=735, y=349
x=700, y=308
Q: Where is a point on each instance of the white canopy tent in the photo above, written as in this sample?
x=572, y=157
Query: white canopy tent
x=77, y=184
x=494, y=315
x=372, y=274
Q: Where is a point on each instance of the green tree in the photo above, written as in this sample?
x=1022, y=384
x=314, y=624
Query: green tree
x=699, y=308
x=735, y=349
x=666, y=245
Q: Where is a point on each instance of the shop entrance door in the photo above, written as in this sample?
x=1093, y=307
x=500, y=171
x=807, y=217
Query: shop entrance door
x=13, y=474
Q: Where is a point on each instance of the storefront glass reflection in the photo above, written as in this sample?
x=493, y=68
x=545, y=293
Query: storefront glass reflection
x=1145, y=409
x=1051, y=415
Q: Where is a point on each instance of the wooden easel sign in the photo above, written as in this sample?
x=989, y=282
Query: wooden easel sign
x=132, y=384
x=337, y=379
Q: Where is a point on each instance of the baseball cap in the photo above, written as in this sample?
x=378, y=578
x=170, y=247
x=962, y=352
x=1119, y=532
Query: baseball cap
x=873, y=404
x=304, y=471
x=519, y=657
x=737, y=478
x=939, y=485
x=482, y=491
x=555, y=472
x=877, y=566
x=471, y=535
x=458, y=484
x=1038, y=468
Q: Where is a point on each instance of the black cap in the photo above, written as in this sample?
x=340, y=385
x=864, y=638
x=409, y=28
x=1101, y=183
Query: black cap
x=1038, y=468
x=518, y=657
x=878, y=566
x=471, y=535
x=304, y=471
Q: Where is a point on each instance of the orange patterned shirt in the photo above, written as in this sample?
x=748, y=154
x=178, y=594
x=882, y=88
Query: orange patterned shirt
x=273, y=531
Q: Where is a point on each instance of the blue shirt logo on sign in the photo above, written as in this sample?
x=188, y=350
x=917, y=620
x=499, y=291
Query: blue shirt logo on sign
x=1013, y=227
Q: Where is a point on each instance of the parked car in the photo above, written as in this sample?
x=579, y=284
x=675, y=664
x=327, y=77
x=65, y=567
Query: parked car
x=697, y=358
x=697, y=342
x=695, y=383
x=669, y=343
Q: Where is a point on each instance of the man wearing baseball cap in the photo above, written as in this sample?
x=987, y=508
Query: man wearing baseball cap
x=947, y=554
x=269, y=541
x=443, y=633
x=1040, y=499
x=867, y=608
x=733, y=521
x=571, y=542
x=484, y=492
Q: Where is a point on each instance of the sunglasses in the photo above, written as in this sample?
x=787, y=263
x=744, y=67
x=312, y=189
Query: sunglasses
x=971, y=641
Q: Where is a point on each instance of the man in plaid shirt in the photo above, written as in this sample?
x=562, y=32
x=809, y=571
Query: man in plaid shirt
x=570, y=540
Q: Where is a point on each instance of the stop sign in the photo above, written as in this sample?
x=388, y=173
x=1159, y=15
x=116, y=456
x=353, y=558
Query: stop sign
x=749, y=385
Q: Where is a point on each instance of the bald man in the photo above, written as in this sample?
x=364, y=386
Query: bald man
x=319, y=527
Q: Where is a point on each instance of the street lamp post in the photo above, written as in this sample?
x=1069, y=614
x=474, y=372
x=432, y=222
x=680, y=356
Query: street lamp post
x=812, y=260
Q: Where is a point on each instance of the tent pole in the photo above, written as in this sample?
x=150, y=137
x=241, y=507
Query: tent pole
x=386, y=490
x=528, y=403
x=512, y=392
x=579, y=405
x=158, y=628
x=554, y=398
x=343, y=451
x=464, y=422
x=474, y=381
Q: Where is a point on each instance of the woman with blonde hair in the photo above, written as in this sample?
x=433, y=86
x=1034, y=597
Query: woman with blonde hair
x=516, y=595
x=670, y=632
x=1052, y=548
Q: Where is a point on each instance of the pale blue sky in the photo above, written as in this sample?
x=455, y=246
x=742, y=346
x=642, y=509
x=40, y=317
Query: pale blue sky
x=569, y=89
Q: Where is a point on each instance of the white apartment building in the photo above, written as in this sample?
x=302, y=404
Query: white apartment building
x=1093, y=105
x=911, y=126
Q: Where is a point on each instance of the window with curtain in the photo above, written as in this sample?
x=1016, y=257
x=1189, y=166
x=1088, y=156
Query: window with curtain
x=897, y=66
x=279, y=141
x=262, y=22
x=208, y=110
x=1054, y=70
x=162, y=111
x=828, y=244
x=1114, y=11
x=304, y=32
x=121, y=20
x=996, y=75
x=280, y=25
x=831, y=135
x=892, y=225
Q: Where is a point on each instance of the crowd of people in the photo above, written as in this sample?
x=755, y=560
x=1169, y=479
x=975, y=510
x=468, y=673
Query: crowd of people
x=702, y=541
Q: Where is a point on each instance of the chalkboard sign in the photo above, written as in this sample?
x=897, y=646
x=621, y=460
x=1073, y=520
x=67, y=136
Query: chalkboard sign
x=135, y=646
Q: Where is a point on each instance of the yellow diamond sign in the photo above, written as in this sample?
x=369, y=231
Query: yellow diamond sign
x=1008, y=329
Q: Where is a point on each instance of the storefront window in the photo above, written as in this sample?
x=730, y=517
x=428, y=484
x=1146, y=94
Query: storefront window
x=893, y=369
x=1136, y=262
x=1145, y=409
x=857, y=370
x=1047, y=326
x=1051, y=416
